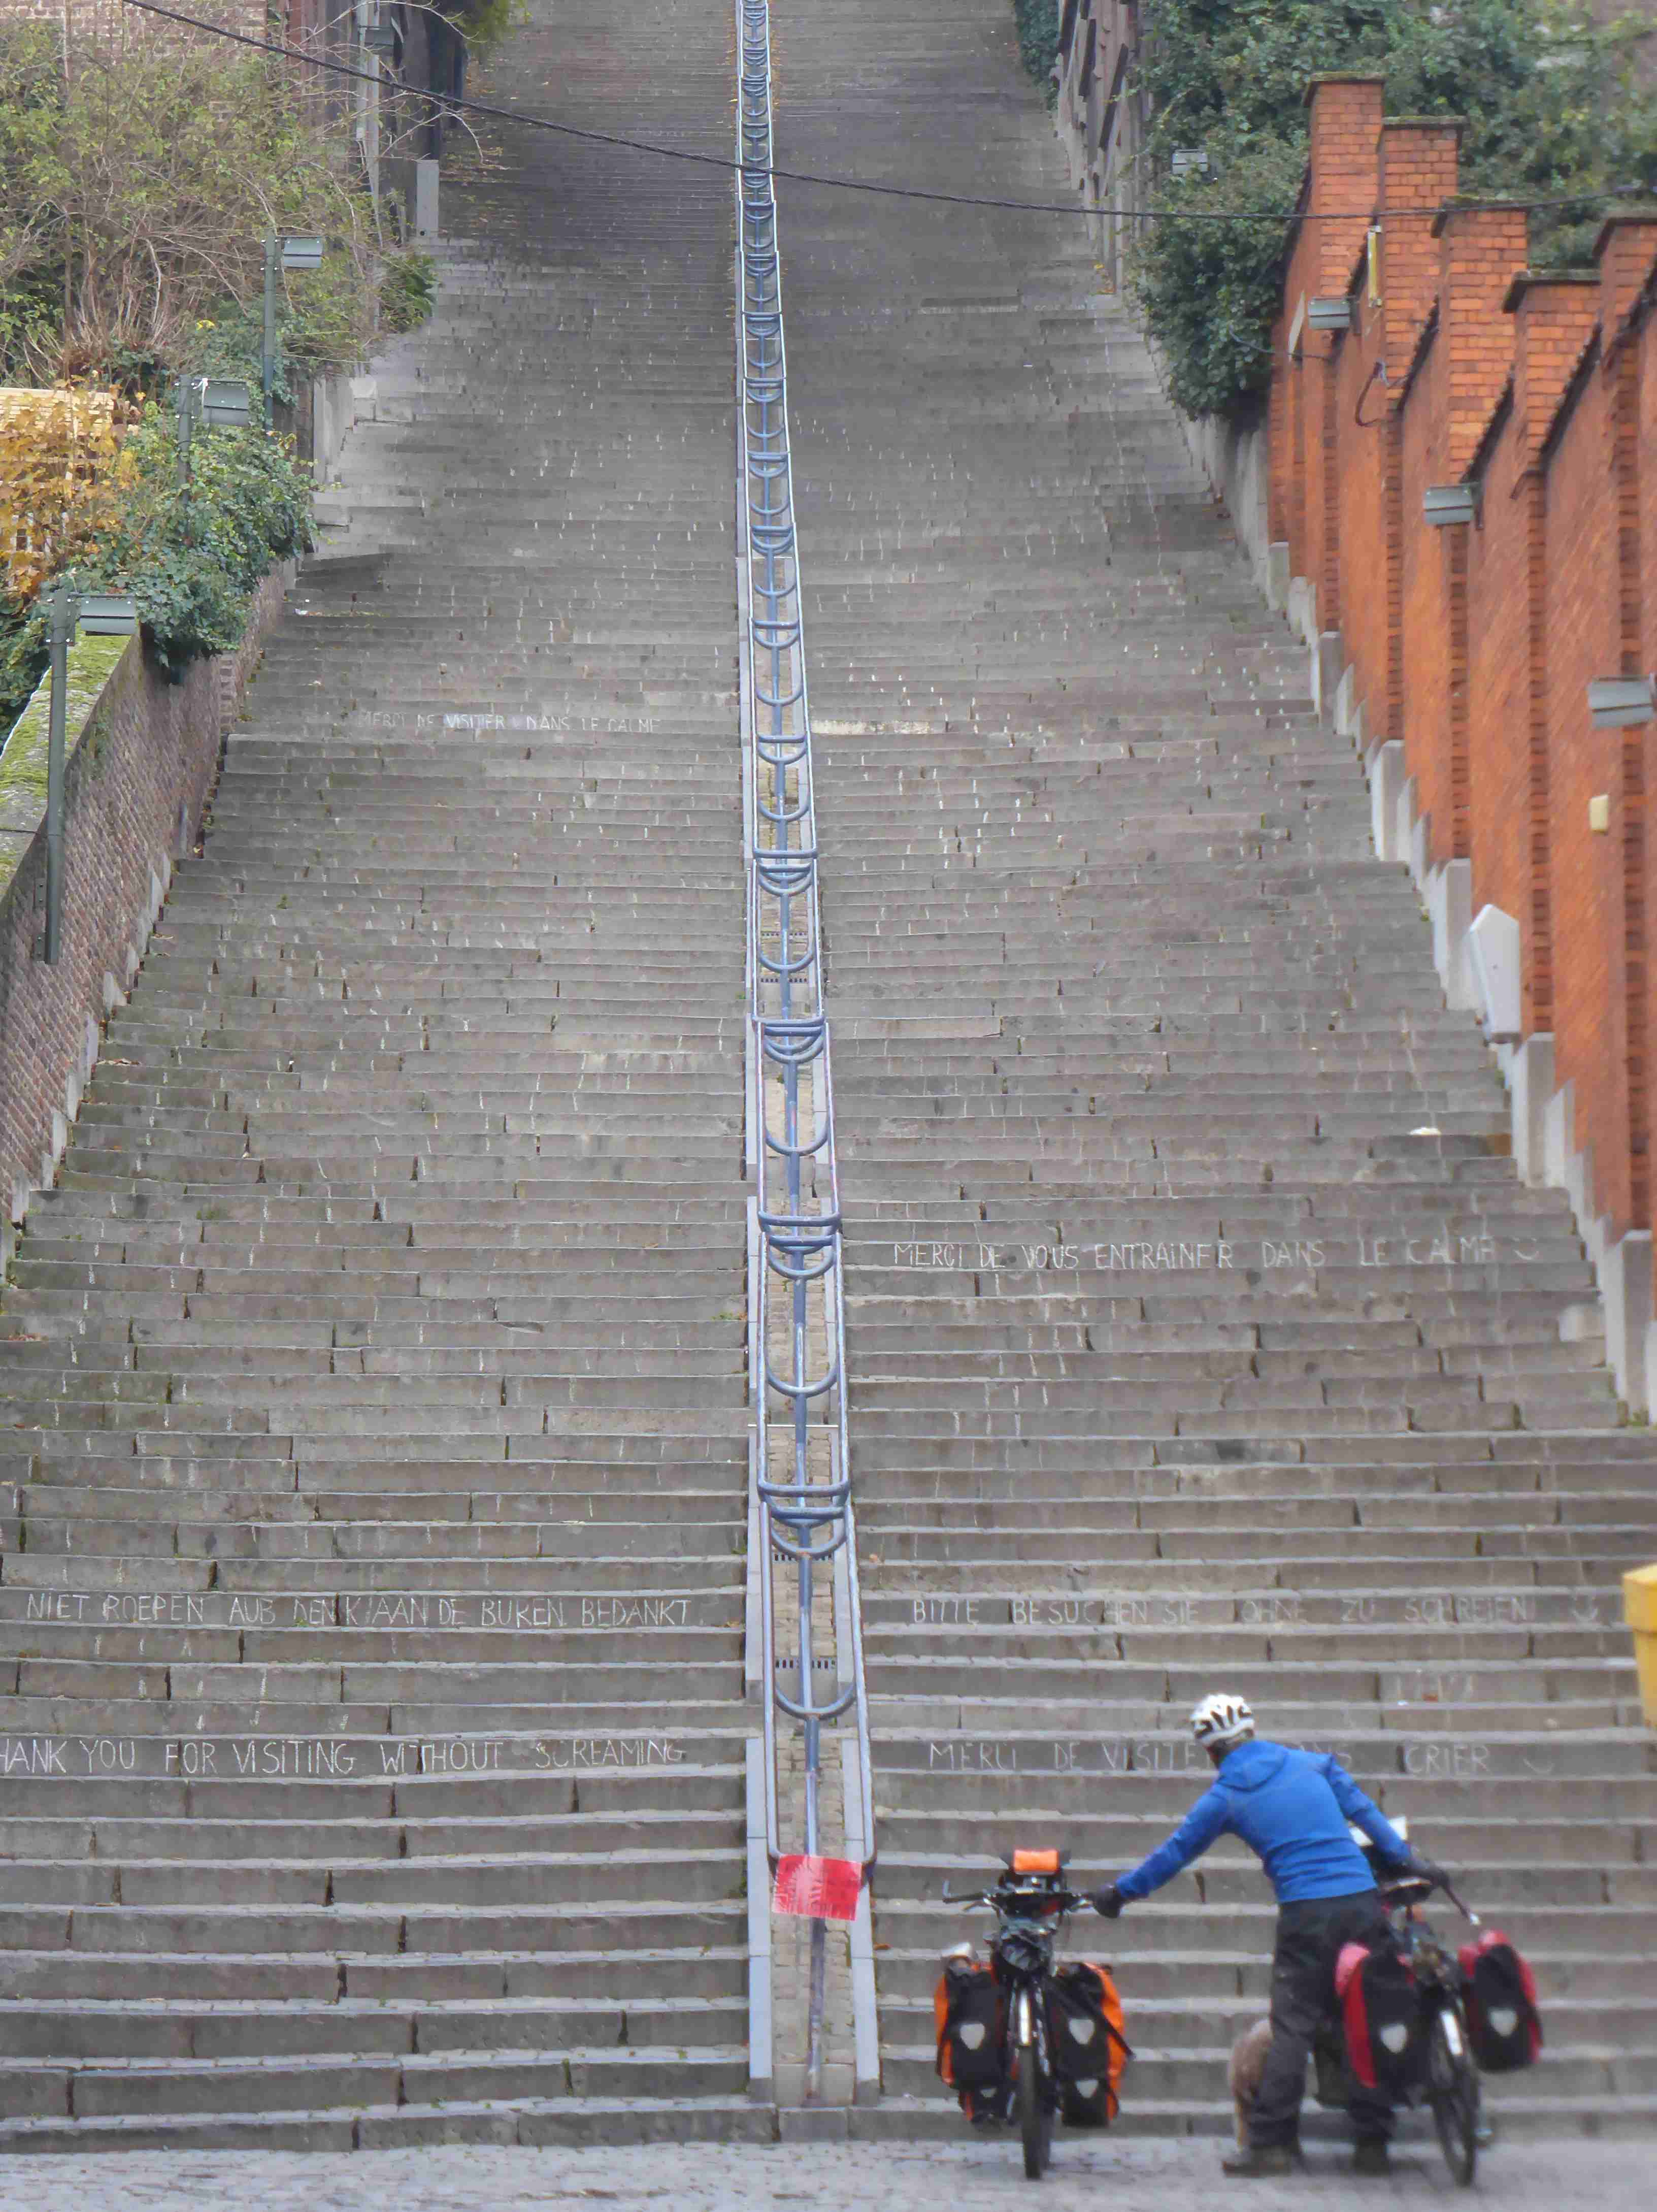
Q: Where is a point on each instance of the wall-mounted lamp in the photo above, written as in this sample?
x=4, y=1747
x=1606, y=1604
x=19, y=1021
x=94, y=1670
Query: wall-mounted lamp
x=1619, y=703
x=1443, y=505
x=1329, y=314
x=224, y=404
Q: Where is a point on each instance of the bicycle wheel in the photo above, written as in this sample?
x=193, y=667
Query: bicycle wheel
x=1453, y=2092
x=1034, y=2114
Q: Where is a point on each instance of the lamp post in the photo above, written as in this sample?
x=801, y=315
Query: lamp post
x=102, y=615
x=283, y=254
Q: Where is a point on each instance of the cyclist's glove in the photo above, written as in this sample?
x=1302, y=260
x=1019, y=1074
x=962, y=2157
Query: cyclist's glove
x=1426, y=1870
x=1109, y=1900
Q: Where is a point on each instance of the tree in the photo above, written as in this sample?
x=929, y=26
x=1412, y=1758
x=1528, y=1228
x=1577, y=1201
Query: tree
x=135, y=201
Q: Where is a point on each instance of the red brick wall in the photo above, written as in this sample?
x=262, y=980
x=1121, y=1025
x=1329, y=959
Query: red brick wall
x=1345, y=123
x=1476, y=644
x=149, y=765
x=1508, y=794
x=1366, y=608
x=1424, y=671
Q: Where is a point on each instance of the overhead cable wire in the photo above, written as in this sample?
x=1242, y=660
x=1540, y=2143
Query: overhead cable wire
x=459, y=103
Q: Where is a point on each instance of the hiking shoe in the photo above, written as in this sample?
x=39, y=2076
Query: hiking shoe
x=1269, y=2163
x=1372, y=2157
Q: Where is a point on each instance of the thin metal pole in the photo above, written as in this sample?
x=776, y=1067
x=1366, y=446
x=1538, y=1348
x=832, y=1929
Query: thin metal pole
x=63, y=605
x=268, y=362
x=187, y=413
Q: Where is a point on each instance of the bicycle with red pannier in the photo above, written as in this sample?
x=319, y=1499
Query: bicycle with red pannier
x=1420, y=2022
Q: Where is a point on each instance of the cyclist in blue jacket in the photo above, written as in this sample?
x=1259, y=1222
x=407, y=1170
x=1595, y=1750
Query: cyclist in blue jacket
x=1296, y=1810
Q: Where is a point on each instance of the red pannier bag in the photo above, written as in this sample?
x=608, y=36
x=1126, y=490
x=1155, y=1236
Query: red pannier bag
x=1085, y=2035
x=1499, y=1991
x=1381, y=2013
x=968, y=2010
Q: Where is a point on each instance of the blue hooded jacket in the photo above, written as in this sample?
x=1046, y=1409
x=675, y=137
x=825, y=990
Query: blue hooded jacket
x=1291, y=1807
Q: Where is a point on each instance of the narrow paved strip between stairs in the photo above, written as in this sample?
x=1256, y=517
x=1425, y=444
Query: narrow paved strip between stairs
x=373, y=1427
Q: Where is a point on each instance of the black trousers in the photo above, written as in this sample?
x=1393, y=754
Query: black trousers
x=1310, y=1936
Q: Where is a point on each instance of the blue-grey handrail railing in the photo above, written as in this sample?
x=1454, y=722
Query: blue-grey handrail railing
x=805, y=1513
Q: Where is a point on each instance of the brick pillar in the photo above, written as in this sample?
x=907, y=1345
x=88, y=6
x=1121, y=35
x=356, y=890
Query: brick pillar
x=1345, y=113
x=1553, y=320
x=1416, y=163
x=1414, y=170
x=1626, y=253
x=1481, y=248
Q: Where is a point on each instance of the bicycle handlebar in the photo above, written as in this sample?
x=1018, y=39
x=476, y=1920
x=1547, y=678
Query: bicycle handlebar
x=1411, y=1888
x=1068, y=1900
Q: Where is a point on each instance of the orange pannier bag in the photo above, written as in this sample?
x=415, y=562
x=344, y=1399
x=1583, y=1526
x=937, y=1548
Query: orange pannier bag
x=1085, y=2036
x=966, y=2008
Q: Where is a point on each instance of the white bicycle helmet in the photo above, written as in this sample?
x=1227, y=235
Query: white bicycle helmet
x=1221, y=1718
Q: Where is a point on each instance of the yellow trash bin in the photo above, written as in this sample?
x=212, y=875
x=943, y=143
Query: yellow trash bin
x=1640, y=1610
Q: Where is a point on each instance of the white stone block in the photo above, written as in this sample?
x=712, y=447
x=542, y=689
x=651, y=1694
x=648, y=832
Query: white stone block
x=1449, y=902
x=1625, y=1282
x=425, y=206
x=1386, y=786
x=1494, y=956
x=1530, y=1078
x=1277, y=576
x=1559, y=1134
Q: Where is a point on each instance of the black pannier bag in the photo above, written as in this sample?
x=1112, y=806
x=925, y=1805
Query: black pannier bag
x=966, y=2008
x=1381, y=2011
x=1499, y=1991
x=1085, y=2040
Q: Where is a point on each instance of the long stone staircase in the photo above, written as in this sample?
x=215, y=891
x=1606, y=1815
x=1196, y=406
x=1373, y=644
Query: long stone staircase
x=1202, y=1335
x=372, y=1414
x=372, y=1389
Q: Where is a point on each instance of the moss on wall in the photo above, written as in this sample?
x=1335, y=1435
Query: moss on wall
x=92, y=662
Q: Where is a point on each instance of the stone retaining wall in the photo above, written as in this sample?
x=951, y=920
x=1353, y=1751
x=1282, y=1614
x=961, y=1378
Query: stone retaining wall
x=143, y=757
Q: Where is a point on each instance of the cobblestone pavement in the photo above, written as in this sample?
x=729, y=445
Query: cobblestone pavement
x=1138, y=2176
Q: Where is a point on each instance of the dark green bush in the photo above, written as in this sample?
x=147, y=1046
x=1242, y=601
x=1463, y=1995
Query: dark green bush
x=408, y=291
x=22, y=656
x=1038, y=40
x=192, y=560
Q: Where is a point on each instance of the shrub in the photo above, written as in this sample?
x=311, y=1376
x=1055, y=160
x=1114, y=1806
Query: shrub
x=135, y=199
x=408, y=291
x=1209, y=290
x=22, y=656
x=1038, y=40
x=192, y=560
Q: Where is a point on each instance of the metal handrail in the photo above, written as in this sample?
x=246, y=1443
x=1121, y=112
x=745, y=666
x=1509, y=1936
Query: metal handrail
x=809, y=1523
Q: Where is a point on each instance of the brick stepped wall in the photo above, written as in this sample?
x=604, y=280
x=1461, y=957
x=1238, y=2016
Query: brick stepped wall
x=372, y=1413
x=1201, y=1332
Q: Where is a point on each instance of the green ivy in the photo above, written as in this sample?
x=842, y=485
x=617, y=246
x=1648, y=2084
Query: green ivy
x=1037, y=41
x=22, y=656
x=1551, y=106
x=407, y=292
